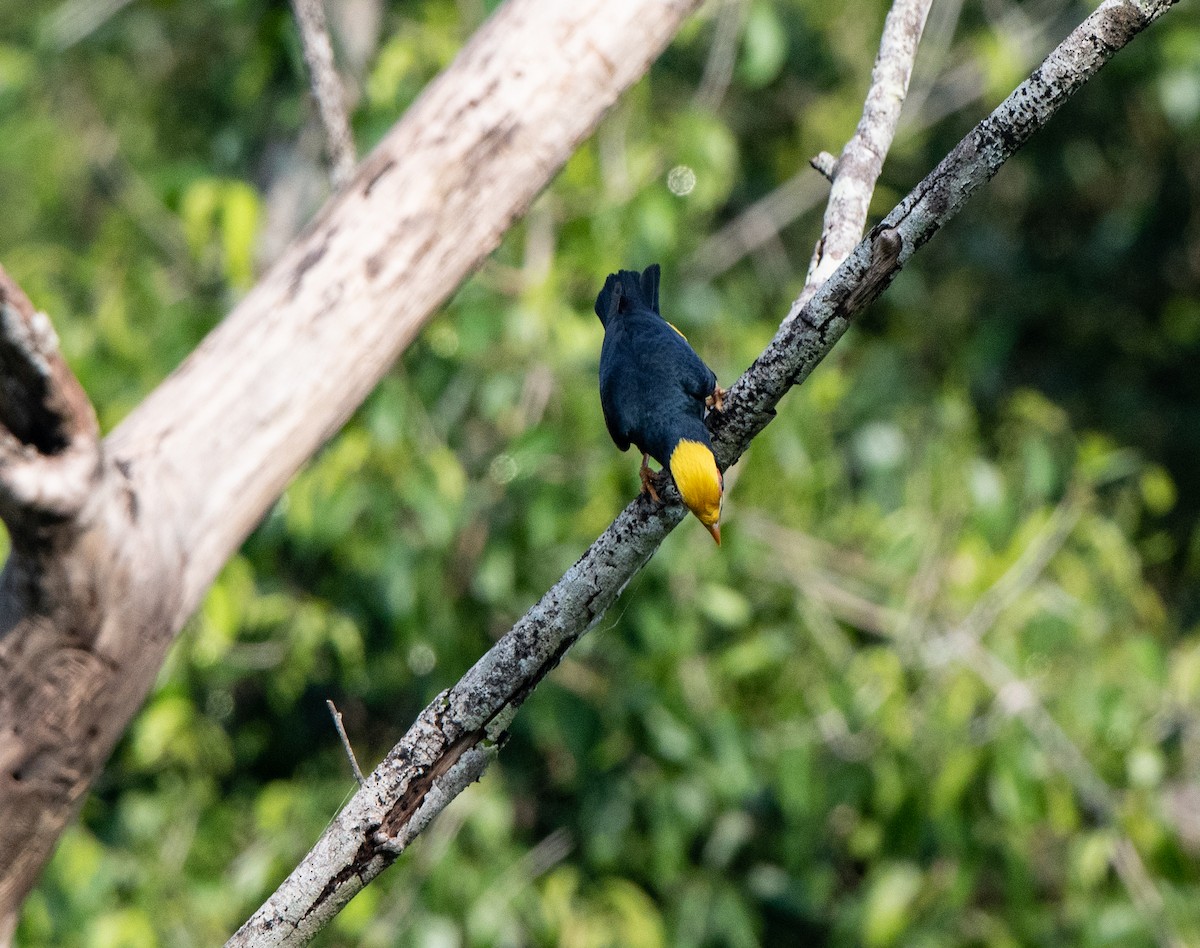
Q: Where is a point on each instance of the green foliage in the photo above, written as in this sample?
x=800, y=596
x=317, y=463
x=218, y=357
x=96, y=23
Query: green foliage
x=780, y=741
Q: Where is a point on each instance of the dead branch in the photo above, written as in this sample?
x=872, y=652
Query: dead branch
x=89, y=608
x=858, y=168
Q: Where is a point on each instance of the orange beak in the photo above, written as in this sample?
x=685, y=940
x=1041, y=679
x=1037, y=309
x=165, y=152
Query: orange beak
x=715, y=530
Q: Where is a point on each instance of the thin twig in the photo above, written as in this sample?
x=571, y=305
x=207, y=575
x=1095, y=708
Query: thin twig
x=341, y=729
x=326, y=88
x=858, y=168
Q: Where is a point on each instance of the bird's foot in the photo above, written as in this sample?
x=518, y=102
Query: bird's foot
x=647, y=476
x=716, y=401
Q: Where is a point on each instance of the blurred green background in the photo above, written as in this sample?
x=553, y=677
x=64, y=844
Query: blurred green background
x=941, y=684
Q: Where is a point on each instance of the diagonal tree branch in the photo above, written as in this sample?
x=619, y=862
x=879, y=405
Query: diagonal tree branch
x=89, y=609
x=811, y=329
x=455, y=738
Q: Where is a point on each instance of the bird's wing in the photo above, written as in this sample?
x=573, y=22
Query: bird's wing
x=697, y=379
x=616, y=394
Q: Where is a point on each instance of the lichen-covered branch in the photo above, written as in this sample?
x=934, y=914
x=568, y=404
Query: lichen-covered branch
x=455, y=736
x=812, y=327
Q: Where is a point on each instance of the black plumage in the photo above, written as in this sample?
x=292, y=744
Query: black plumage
x=653, y=386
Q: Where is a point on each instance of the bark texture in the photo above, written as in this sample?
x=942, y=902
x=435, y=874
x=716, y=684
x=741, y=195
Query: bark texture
x=116, y=541
x=457, y=735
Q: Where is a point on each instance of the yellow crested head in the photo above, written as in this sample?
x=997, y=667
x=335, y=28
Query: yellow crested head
x=695, y=471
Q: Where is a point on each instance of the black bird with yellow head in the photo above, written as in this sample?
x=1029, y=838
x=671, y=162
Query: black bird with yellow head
x=654, y=390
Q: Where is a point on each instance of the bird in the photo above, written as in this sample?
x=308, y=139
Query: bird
x=655, y=390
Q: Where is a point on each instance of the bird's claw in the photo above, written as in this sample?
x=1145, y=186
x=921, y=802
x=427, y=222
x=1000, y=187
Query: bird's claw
x=647, y=477
x=716, y=401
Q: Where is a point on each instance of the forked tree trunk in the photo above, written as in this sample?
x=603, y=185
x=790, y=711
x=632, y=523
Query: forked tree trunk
x=114, y=542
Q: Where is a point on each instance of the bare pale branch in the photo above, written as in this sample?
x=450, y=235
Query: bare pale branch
x=759, y=225
x=858, y=168
x=87, y=615
x=345, y=739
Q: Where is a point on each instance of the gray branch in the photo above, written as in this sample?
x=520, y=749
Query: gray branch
x=454, y=738
x=811, y=329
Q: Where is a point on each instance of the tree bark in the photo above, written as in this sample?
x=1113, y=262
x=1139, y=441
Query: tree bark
x=114, y=542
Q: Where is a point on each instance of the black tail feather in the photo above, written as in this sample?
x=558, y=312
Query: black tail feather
x=627, y=289
x=609, y=300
